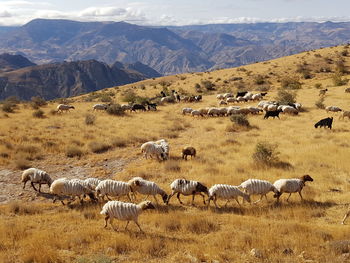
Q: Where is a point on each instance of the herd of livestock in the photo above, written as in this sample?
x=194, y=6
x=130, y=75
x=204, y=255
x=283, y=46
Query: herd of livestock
x=97, y=189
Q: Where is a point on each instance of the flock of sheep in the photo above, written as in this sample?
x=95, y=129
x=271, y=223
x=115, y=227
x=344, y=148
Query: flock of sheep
x=97, y=189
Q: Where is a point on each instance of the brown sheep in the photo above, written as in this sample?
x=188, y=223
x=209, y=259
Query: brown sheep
x=188, y=151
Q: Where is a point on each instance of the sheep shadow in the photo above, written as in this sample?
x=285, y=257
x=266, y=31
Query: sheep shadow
x=228, y=210
x=170, y=208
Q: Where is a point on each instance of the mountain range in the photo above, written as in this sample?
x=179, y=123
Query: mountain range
x=168, y=50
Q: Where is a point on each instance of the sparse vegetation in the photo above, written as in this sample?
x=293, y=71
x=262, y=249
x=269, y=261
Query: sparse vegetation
x=240, y=119
x=320, y=103
x=39, y=114
x=90, y=119
x=115, y=109
x=291, y=83
x=73, y=151
x=284, y=97
x=265, y=153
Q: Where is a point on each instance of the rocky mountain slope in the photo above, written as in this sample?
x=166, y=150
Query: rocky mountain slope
x=168, y=50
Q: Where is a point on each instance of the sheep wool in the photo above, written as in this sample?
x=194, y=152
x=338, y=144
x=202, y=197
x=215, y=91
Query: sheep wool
x=258, y=187
x=113, y=188
x=290, y=186
x=93, y=182
x=35, y=175
x=185, y=187
x=151, y=149
x=227, y=192
x=124, y=211
x=145, y=187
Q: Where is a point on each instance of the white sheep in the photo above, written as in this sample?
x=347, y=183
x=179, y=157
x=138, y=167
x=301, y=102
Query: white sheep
x=289, y=110
x=213, y=112
x=113, y=188
x=248, y=96
x=145, y=187
x=204, y=111
x=169, y=99
x=233, y=110
x=63, y=107
x=254, y=110
x=257, y=96
x=220, y=96
x=258, y=187
x=291, y=186
x=73, y=188
x=124, y=211
x=270, y=107
x=126, y=107
x=165, y=146
x=227, y=192
x=222, y=102
x=227, y=95
x=241, y=99
x=36, y=176
x=196, y=113
x=187, y=111
x=230, y=100
x=151, y=149
x=93, y=182
x=99, y=107
x=333, y=109
x=345, y=114
x=187, y=187
x=222, y=111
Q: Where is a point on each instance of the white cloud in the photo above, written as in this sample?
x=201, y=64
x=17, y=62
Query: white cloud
x=5, y=13
x=102, y=11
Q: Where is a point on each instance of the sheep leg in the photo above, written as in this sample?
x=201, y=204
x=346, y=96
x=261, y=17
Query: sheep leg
x=39, y=187
x=238, y=201
x=261, y=197
x=289, y=196
x=138, y=226
x=126, y=227
x=345, y=217
x=214, y=200
x=300, y=195
x=128, y=197
x=146, y=198
x=167, y=202
x=106, y=220
x=228, y=200
x=178, y=197
x=111, y=221
x=193, y=195
x=32, y=184
x=108, y=197
x=24, y=185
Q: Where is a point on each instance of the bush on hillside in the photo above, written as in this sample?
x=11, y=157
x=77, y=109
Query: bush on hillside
x=284, y=97
x=290, y=83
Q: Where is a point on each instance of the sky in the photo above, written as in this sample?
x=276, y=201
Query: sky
x=175, y=12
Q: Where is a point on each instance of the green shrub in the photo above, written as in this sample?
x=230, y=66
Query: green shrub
x=39, y=114
x=290, y=83
x=37, y=102
x=265, y=153
x=240, y=119
x=208, y=85
x=259, y=80
x=284, y=97
x=106, y=98
x=115, y=109
x=338, y=80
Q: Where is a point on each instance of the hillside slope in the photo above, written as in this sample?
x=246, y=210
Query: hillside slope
x=83, y=143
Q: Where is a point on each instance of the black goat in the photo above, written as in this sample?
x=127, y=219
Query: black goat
x=273, y=114
x=241, y=93
x=327, y=122
x=138, y=107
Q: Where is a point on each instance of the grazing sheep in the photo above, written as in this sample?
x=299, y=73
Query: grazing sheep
x=151, y=149
x=222, y=111
x=165, y=146
x=203, y=111
x=233, y=110
x=124, y=211
x=198, y=98
x=168, y=99
x=136, y=107
x=63, y=107
x=324, y=122
x=145, y=187
x=230, y=100
x=187, y=187
x=189, y=150
x=196, y=113
x=291, y=186
x=241, y=99
x=258, y=187
x=248, y=96
x=345, y=114
x=72, y=188
x=36, y=176
x=126, y=107
x=151, y=106
x=271, y=107
x=228, y=95
x=187, y=111
x=220, y=96
x=100, y=107
x=222, y=102
x=289, y=110
x=254, y=110
x=213, y=112
x=257, y=96
x=322, y=92
x=333, y=109
x=296, y=105
x=272, y=114
x=244, y=111
x=226, y=191
x=113, y=188
x=347, y=214
x=93, y=182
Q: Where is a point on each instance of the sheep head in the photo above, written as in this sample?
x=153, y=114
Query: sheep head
x=146, y=205
x=306, y=178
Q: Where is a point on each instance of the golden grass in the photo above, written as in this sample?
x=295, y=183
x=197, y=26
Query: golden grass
x=224, y=155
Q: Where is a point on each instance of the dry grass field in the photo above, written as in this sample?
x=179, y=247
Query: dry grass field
x=33, y=229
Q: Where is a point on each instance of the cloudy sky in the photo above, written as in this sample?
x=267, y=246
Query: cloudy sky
x=175, y=12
